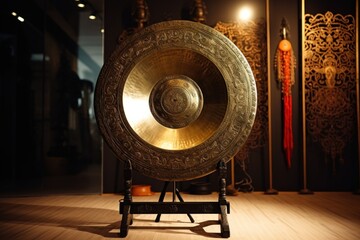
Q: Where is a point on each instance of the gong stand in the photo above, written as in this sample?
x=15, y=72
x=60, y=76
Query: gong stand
x=128, y=207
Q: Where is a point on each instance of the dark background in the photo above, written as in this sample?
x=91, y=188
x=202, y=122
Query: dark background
x=29, y=126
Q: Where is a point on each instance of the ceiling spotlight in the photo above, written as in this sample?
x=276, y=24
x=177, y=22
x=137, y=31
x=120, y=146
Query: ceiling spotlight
x=92, y=16
x=21, y=19
x=81, y=5
x=245, y=13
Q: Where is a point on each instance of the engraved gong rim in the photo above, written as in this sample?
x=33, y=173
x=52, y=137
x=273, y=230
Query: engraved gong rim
x=175, y=98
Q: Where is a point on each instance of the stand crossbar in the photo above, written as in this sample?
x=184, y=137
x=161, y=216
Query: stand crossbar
x=173, y=207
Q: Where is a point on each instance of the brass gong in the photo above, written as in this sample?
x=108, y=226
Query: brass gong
x=175, y=98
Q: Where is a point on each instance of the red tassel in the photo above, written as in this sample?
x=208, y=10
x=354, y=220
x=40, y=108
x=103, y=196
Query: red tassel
x=285, y=74
x=288, y=135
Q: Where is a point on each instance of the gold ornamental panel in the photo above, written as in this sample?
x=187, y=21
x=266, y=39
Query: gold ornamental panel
x=330, y=81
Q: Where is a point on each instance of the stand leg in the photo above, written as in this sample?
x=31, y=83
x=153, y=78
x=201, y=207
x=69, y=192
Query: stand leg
x=224, y=206
x=126, y=221
x=182, y=200
x=175, y=193
x=127, y=217
x=224, y=224
x=161, y=199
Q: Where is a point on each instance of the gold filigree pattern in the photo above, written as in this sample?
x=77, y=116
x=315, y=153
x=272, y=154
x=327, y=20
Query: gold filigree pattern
x=250, y=38
x=330, y=81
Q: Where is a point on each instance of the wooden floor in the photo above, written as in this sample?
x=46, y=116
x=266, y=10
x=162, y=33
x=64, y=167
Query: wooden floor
x=253, y=216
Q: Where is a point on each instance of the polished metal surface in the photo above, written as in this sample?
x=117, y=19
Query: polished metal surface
x=176, y=101
x=176, y=98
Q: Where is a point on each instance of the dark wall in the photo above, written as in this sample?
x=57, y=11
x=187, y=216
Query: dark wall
x=39, y=86
x=117, y=14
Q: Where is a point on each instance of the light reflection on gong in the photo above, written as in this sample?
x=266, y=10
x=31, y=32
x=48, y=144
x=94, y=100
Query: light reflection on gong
x=177, y=104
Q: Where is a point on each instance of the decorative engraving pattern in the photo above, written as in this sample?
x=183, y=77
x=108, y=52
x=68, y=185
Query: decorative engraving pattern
x=250, y=38
x=176, y=101
x=330, y=85
x=225, y=141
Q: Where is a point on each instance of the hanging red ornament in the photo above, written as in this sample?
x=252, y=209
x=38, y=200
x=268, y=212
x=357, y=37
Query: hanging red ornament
x=285, y=64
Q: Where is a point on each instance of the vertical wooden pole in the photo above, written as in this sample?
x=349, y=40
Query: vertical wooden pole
x=304, y=190
x=233, y=172
x=358, y=90
x=270, y=189
x=230, y=189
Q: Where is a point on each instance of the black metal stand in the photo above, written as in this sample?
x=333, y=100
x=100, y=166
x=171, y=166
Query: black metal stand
x=128, y=207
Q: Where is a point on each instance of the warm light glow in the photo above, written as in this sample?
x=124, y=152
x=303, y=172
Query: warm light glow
x=81, y=5
x=14, y=14
x=102, y=30
x=20, y=19
x=92, y=16
x=245, y=13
